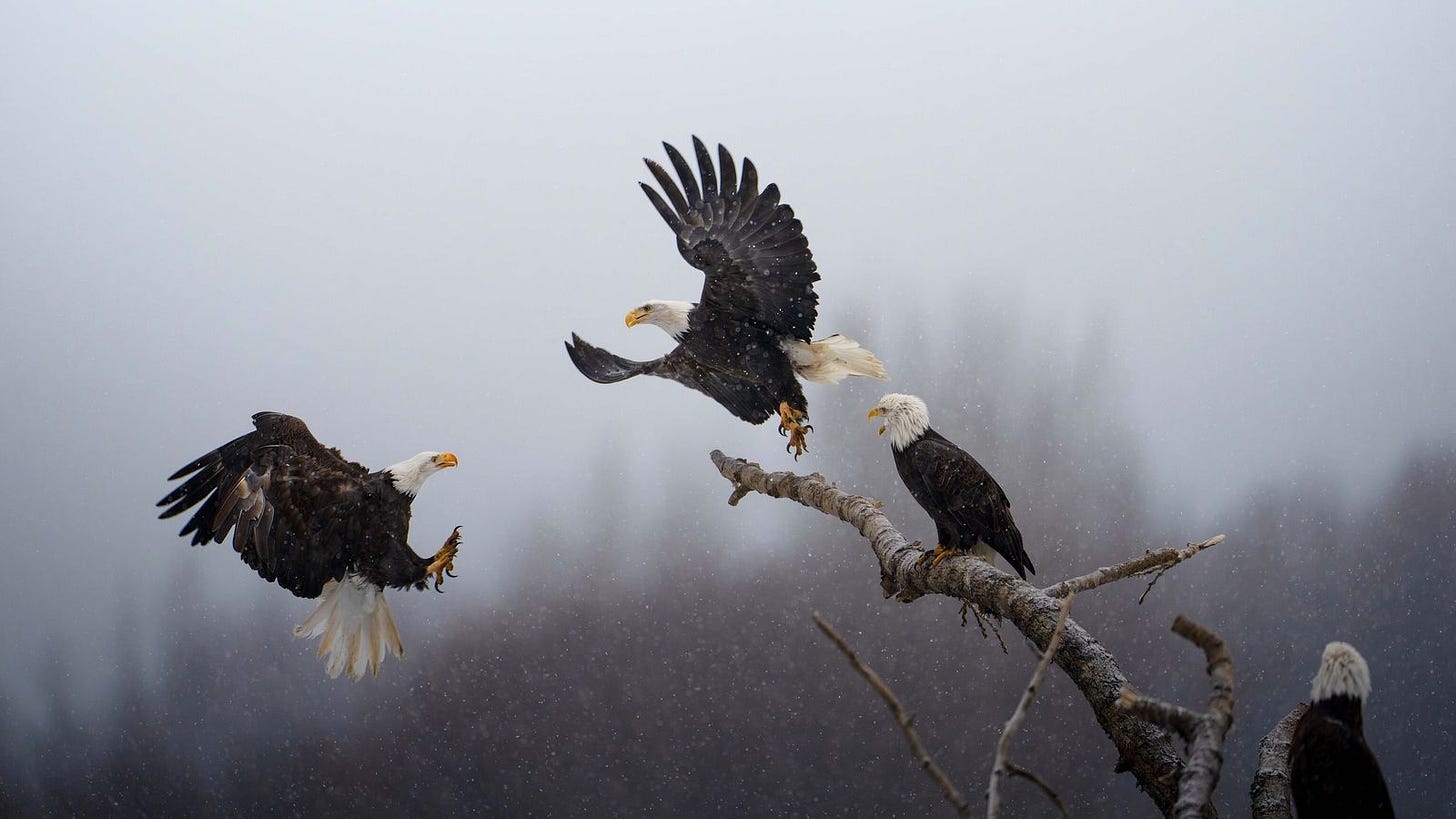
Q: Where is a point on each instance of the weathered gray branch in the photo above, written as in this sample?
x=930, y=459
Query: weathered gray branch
x=1002, y=767
x=1270, y=791
x=1204, y=732
x=1159, y=560
x=903, y=717
x=1142, y=748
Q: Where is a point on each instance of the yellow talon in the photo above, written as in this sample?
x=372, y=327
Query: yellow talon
x=789, y=425
x=443, y=564
x=940, y=554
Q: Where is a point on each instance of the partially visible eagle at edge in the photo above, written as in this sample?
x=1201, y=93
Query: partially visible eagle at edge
x=304, y=517
x=1332, y=770
x=748, y=336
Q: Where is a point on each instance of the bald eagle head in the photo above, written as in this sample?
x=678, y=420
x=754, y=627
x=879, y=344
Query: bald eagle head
x=1342, y=673
x=671, y=316
x=410, y=474
x=906, y=417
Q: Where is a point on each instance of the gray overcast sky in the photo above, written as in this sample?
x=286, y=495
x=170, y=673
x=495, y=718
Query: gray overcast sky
x=385, y=219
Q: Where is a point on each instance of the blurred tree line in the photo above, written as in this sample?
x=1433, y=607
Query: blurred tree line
x=669, y=676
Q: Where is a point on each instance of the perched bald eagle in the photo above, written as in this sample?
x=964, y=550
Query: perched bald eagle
x=748, y=337
x=320, y=526
x=1332, y=771
x=970, y=510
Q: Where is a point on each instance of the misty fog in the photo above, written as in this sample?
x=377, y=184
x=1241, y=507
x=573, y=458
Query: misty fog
x=1166, y=272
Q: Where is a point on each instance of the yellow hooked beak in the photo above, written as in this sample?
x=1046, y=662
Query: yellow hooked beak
x=876, y=413
x=635, y=317
x=445, y=459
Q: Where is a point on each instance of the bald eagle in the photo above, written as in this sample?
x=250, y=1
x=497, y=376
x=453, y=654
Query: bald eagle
x=970, y=510
x=1332, y=771
x=748, y=336
x=320, y=526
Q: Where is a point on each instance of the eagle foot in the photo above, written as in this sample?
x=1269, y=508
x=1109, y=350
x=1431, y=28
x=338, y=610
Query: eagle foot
x=938, y=556
x=789, y=425
x=443, y=565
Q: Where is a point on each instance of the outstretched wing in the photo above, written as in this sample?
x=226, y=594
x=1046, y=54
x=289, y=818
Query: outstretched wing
x=753, y=251
x=747, y=399
x=601, y=366
x=964, y=491
x=753, y=401
x=290, y=503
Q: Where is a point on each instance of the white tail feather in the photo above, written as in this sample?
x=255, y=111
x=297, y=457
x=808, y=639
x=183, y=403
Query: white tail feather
x=356, y=625
x=830, y=360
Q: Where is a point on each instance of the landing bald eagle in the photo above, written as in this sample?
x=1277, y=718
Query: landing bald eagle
x=320, y=526
x=1332, y=771
x=748, y=336
x=970, y=510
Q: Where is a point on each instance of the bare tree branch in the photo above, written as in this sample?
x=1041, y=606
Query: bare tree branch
x=1016, y=770
x=1270, y=791
x=1142, y=748
x=1000, y=768
x=903, y=717
x=1159, y=560
x=1205, y=732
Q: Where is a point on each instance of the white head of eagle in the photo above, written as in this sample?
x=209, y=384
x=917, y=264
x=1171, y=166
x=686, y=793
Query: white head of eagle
x=906, y=418
x=671, y=316
x=410, y=474
x=1342, y=673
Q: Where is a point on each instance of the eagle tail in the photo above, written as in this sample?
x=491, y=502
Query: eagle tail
x=830, y=360
x=356, y=627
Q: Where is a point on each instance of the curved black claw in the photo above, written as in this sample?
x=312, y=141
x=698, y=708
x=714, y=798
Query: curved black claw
x=783, y=431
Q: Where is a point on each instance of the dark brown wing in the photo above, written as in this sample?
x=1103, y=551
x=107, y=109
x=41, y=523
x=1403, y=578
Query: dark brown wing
x=1333, y=772
x=602, y=366
x=293, y=506
x=752, y=250
x=740, y=392
x=968, y=497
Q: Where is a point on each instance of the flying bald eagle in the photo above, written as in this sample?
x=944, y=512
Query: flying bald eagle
x=320, y=526
x=970, y=510
x=748, y=336
x=1332, y=771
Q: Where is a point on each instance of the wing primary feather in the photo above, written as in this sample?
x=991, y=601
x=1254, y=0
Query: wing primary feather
x=668, y=214
x=685, y=173
x=728, y=187
x=747, y=194
x=669, y=187
x=705, y=168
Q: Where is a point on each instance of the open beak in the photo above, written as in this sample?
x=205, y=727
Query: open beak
x=876, y=413
x=635, y=317
x=448, y=459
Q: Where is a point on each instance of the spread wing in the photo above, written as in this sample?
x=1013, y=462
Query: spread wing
x=750, y=247
x=964, y=491
x=602, y=366
x=750, y=400
x=290, y=503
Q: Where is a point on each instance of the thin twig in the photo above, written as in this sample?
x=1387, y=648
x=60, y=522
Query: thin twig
x=1163, y=559
x=902, y=717
x=1016, y=770
x=1270, y=791
x=999, y=769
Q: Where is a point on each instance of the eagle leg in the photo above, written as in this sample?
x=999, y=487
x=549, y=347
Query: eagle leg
x=789, y=425
x=443, y=563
